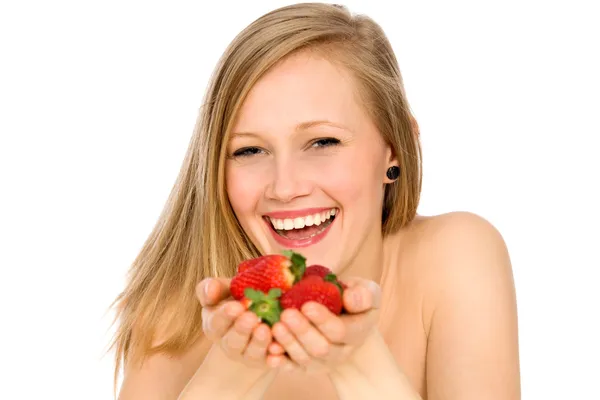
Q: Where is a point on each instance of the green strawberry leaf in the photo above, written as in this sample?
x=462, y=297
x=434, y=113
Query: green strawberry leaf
x=254, y=295
x=298, y=264
x=268, y=310
x=265, y=306
x=333, y=279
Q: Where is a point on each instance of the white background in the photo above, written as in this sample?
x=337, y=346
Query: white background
x=98, y=101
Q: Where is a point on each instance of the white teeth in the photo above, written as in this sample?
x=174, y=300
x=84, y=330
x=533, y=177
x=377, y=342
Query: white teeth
x=300, y=222
x=288, y=224
x=317, y=219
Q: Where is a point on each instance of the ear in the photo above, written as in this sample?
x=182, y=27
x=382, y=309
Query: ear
x=390, y=157
x=391, y=160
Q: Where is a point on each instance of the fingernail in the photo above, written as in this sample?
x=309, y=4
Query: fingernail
x=206, y=288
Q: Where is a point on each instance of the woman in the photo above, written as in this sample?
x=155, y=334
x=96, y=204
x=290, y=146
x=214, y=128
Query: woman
x=306, y=119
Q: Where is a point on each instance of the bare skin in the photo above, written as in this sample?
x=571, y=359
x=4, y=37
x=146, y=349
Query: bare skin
x=446, y=303
x=451, y=271
x=402, y=330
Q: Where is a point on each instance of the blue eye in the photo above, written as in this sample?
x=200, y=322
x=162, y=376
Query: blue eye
x=246, y=152
x=326, y=142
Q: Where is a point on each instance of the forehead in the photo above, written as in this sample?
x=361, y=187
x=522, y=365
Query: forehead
x=302, y=87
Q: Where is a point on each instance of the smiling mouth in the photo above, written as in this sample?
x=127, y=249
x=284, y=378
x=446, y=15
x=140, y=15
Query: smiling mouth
x=303, y=227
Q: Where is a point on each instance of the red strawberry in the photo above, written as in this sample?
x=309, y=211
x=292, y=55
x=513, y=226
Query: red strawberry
x=247, y=264
x=314, y=288
x=318, y=270
x=265, y=306
x=322, y=271
x=275, y=271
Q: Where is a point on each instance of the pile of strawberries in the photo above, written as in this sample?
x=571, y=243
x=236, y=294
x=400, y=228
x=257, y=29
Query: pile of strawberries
x=269, y=284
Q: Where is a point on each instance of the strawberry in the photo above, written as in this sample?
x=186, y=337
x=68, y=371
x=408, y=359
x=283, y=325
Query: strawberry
x=265, y=306
x=322, y=271
x=247, y=264
x=325, y=291
x=276, y=271
x=318, y=270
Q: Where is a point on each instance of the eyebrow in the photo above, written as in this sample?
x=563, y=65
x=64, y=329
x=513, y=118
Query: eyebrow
x=311, y=124
x=303, y=126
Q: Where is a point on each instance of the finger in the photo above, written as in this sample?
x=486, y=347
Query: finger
x=236, y=339
x=282, y=334
x=361, y=295
x=216, y=321
x=257, y=348
x=330, y=325
x=276, y=349
x=313, y=342
x=211, y=291
x=358, y=326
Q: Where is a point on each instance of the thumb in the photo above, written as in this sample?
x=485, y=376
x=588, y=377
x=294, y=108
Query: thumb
x=361, y=295
x=211, y=291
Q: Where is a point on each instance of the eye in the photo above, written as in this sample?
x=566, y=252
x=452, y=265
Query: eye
x=325, y=142
x=247, y=152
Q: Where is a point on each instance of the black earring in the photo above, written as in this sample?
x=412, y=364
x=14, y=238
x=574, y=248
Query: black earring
x=393, y=172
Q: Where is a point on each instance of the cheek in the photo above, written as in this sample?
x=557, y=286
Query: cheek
x=351, y=177
x=244, y=189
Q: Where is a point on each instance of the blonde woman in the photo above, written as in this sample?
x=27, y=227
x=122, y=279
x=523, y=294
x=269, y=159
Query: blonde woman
x=306, y=119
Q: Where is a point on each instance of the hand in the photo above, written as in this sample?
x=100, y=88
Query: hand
x=317, y=340
x=225, y=321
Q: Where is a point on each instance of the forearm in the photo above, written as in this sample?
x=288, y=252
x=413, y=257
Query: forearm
x=222, y=378
x=373, y=373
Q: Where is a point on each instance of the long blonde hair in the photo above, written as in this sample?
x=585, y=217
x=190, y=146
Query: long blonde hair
x=197, y=234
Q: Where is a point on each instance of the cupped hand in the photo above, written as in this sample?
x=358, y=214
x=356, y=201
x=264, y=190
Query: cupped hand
x=317, y=340
x=240, y=333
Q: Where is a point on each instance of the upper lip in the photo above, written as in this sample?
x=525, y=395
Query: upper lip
x=296, y=213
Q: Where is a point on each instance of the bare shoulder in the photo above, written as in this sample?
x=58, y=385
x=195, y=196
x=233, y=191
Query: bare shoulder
x=469, y=306
x=457, y=252
x=451, y=224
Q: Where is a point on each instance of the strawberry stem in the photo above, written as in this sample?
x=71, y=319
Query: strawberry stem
x=265, y=306
x=298, y=264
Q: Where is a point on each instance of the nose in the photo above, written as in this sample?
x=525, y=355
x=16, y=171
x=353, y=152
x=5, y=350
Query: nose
x=287, y=182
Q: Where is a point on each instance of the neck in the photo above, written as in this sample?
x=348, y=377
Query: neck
x=368, y=263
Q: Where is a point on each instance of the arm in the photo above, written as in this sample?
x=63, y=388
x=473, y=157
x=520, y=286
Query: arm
x=219, y=377
x=226, y=362
x=348, y=347
x=195, y=375
x=235, y=367
x=472, y=349
x=473, y=340
x=373, y=373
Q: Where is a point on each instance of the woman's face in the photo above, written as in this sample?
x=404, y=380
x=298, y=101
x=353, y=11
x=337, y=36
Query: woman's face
x=306, y=165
